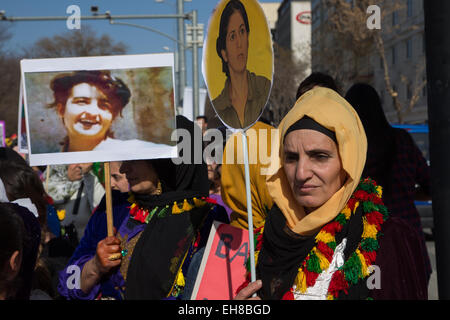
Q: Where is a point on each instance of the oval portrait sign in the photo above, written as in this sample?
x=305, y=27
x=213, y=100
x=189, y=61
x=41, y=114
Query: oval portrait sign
x=304, y=17
x=237, y=62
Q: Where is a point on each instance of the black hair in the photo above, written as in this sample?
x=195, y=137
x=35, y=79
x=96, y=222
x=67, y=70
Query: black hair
x=202, y=117
x=316, y=79
x=114, y=88
x=12, y=238
x=381, y=147
x=230, y=8
x=21, y=181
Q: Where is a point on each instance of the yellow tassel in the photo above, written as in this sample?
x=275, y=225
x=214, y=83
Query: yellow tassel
x=324, y=237
x=300, y=281
x=131, y=198
x=187, y=206
x=330, y=297
x=176, y=209
x=356, y=206
x=180, y=279
x=256, y=257
x=379, y=191
x=198, y=202
x=364, y=268
x=369, y=230
x=324, y=263
x=61, y=214
x=347, y=212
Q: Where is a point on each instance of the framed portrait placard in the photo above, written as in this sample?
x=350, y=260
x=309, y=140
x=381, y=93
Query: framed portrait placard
x=238, y=62
x=99, y=109
x=22, y=140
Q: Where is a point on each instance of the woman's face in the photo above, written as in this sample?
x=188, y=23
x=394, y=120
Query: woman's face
x=236, y=51
x=313, y=167
x=88, y=112
x=140, y=175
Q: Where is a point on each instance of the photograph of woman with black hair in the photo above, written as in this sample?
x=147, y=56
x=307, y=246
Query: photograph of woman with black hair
x=96, y=109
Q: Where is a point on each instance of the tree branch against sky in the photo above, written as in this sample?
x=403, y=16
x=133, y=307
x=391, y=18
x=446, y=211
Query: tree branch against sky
x=289, y=72
x=75, y=43
x=72, y=43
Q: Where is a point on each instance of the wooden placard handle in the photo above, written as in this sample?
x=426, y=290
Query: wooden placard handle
x=109, y=214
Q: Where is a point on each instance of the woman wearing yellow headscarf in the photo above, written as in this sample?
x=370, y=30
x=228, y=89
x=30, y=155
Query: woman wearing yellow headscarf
x=322, y=238
x=233, y=175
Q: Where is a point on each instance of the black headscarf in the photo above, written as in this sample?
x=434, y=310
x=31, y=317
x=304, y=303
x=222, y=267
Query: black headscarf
x=283, y=252
x=381, y=146
x=165, y=241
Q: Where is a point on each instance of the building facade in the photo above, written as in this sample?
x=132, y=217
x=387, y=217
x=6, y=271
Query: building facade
x=402, y=30
x=293, y=29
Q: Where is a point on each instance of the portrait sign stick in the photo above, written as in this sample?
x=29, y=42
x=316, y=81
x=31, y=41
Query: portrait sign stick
x=47, y=178
x=249, y=209
x=109, y=215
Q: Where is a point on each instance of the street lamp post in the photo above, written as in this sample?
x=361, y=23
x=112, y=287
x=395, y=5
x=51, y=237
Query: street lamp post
x=195, y=88
x=181, y=51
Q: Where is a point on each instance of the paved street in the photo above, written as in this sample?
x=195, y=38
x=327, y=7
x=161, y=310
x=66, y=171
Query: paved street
x=432, y=287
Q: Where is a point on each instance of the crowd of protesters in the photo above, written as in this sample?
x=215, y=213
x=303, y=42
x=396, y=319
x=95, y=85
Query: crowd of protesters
x=340, y=200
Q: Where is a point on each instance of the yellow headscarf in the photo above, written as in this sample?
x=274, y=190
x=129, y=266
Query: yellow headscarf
x=329, y=109
x=233, y=178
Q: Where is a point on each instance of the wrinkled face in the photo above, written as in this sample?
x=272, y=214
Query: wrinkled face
x=236, y=51
x=118, y=180
x=88, y=113
x=313, y=167
x=140, y=175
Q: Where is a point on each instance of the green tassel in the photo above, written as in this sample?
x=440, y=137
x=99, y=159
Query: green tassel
x=369, y=244
x=340, y=218
x=150, y=215
x=369, y=206
x=353, y=269
x=163, y=212
x=384, y=211
x=313, y=264
x=332, y=245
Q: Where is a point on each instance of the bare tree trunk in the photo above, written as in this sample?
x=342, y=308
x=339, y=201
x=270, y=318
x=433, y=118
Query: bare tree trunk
x=380, y=47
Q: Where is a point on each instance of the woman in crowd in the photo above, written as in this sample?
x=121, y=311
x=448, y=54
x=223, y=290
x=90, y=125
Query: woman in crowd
x=156, y=228
x=21, y=185
x=328, y=229
x=393, y=160
x=12, y=239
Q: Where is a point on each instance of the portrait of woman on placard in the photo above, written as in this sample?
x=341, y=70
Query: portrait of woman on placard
x=245, y=90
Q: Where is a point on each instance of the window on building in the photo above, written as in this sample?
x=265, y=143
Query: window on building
x=409, y=48
x=394, y=55
x=394, y=18
x=409, y=8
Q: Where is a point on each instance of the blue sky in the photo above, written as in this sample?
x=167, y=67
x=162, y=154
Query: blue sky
x=139, y=41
